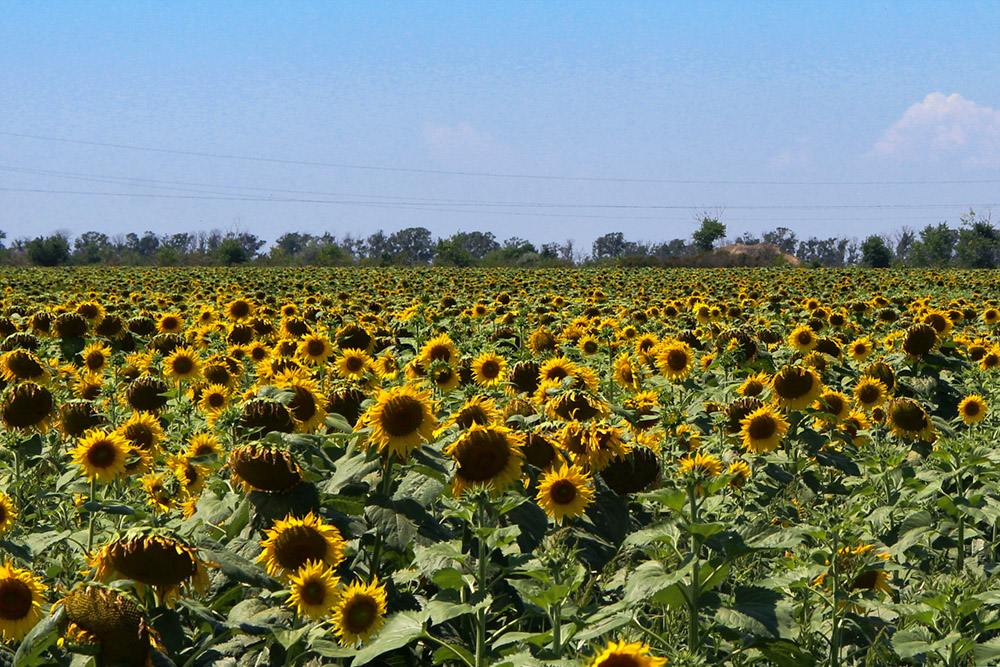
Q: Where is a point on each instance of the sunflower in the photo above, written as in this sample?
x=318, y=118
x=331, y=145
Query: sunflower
x=102, y=455
x=20, y=601
x=313, y=589
x=264, y=469
x=542, y=341
x=593, y=445
x=182, y=364
x=143, y=432
x=292, y=543
x=972, y=408
x=554, y=370
x=191, y=476
x=401, y=419
x=108, y=624
x=88, y=386
x=477, y=410
x=621, y=654
x=588, y=345
x=991, y=316
x=869, y=393
x=159, y=495
x=991, y=359
x=359, y=613
x=203, y=444
x=443, y=377
x=487, y=456
x=170, y=323
x=861, y=348
x=565, y=492
x=238, y=310
x=920, y=339
x=739, y=472
x=762, y=430
x=700, y=465
x=833, y=403
x=907, y=418
x=353, y=364
x=214, y=399
x=626, y=373
x=165, y=563
x=314, y=349
x=306, y=403
x=488, y=369
x=7, y=513
x=754, y=385
x=803, y=339
x=96, y=357
x=19, y=365
x=439, y=348
x=675, y=360
x=796, y=387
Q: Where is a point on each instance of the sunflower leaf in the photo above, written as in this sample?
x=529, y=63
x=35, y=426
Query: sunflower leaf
x=42, y=636
x=399, y=630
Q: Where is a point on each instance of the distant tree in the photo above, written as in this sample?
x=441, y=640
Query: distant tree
x=875, y=253
x=477, y=244
x=412, y=246
x=48, y=250
x=90, y=248
x=746, y=238
x=978, y=243
x=783, y=238
x=711, y=230
x=452, y=252
x=231, y=252
x=936, y=246
x=613, y=244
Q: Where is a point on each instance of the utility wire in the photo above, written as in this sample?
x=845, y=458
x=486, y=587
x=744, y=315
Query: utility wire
x=482, y=174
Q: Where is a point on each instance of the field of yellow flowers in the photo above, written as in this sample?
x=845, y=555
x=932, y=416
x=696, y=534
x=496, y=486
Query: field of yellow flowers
x=599, y=468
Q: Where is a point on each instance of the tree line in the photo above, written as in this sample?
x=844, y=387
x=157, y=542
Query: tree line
x=974, y=243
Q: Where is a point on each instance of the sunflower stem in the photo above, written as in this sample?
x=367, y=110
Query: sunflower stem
x=385, y=485
x=557, y=630
x=481, y=582
x=694, y=631
x=93, y=515
x=835, y=635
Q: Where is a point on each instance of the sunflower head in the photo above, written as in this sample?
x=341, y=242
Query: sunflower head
x=26, y=407
x=20, y=601
x=7, y=513
x=19, y=365
x=262, y=416
x=736, y=411
x=675, y=360
x=920, y=339
x=76, y=417
x=565, y=492
x=165, y=563
x=400, y=420
x=292, y=543
x=313, y=589
x=622, y=654
x=972, y=409
x=763, y=429
x=795, y=387
x=110, y=623
x=146, y=394
x=803, y=339
x=488, y=369
x=359, y=613
x=488, y=456
x=908, y=419
x=264, y=469
x=634, y=472
x=102, y=455
x=882, y=372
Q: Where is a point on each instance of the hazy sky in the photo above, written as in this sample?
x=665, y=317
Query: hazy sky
x=543, y=120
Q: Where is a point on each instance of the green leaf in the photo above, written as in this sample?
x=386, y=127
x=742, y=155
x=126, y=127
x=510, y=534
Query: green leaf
x=755, y=611
x=39, y=542
x=704, y=529
x=650, y=580
x=448, y=605
x=783, y=653
x=448, y=654
x=237, y=568
x=42, y=636
x=289, y=638
x=399, y=630
x=987, y=653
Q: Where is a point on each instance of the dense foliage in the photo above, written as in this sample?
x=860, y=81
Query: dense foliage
x=599, y=467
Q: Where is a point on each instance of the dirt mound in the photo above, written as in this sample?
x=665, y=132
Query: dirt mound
x=760, y=253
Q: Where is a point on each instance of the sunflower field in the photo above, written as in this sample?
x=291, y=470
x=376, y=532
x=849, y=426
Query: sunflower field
x=581, y=468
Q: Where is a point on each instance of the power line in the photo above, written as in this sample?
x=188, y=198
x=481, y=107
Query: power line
x=483, y=174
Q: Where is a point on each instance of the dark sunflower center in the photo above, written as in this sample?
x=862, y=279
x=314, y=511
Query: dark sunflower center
x=753, y=388
x=443, y=376
x=908, y=416
x=101, y=455
x=991, y=360
x=402, y=415
x=556, y=373
x=297, y=545
x=490, y=369
x=474, y=414
x=95, y=361
x=183, y=365
x=169, y=323
x=972, y=408
x=313, y=592
x=156, y=563
x=794, y=383
x=834, y=404
x=804, y=337
x=15, y=599
x=860, y=348
x=139, y=435
x=315, y=348
x=239, y=309
x=869, y=393
x=590, y=347
x=920, y=339
x=762, y=427
x=439, y=353
x=354, y=364
x=484, y=457
x=23, y=366
x=216, y=400
x=360, y=614
x=303, y=405
x=563, y=491
x=258, y=353
x=677, y=360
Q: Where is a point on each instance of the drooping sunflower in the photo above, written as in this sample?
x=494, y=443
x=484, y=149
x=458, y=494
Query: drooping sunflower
x=165, y=563
x=870, y=393
x=306, y=404
x=264, y=469
x=359, y=613
x=621, y=654
x=401, y=419
x=182, y=364
x=292, y=543
x=675, y=360
x=908, y=419
x=795, y=387
x=803, y=339
x=102, y=455
x=313, y=589
x=920, y=339
x=27, y=407
x=565, y=492
x=20, y=601
x=19, y=365
x=763, y=429
x=488, y=456
x=109, y=624
x=488, y=369
x=438, y=348
x=972, y=409
x=7, y=513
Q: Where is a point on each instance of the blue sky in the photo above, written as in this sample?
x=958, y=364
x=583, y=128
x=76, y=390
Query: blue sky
x=806, y=115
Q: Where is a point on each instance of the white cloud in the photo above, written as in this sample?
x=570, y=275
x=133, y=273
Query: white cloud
x=943, y=127
x=447, y=142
